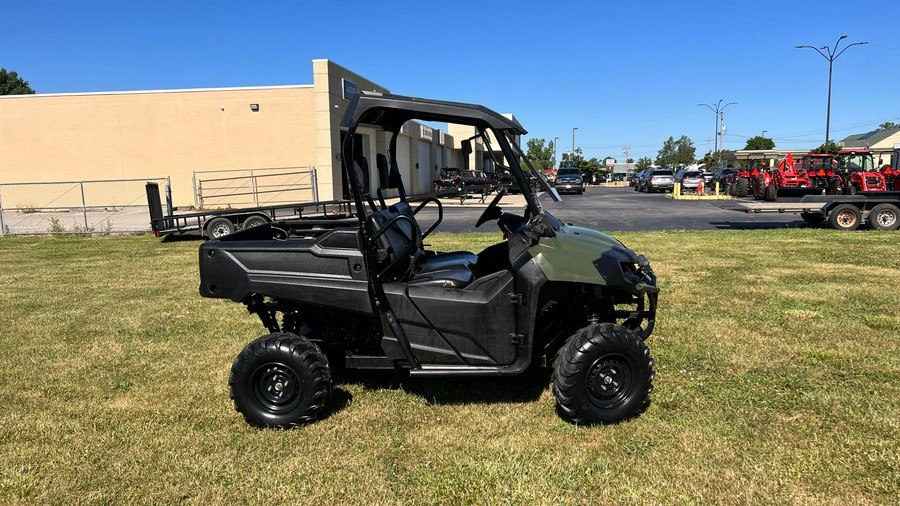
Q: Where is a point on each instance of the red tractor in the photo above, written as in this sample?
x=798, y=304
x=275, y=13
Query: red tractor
x=818, y=168
x=772, y=179
x=854, y=171
x=741, y=182
x=891, y=172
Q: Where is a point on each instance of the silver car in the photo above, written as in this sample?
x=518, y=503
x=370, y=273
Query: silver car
x=659, y=180
x=689, y=179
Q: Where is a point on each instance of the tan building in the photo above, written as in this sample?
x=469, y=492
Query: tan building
x=199, y=134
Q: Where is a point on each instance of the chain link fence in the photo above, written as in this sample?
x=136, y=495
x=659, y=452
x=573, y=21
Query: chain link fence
x=75, y=207
x=254, y=187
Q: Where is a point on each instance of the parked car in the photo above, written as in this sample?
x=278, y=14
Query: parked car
x=641, y=179
x=569, y=180
x=722, y=176
x=707, y=177
x=662, y=180
x=690, y=179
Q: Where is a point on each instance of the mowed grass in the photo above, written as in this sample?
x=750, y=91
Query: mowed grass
x=778, y=381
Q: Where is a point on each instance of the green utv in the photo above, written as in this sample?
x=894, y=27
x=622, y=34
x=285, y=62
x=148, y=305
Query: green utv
x=364, y=290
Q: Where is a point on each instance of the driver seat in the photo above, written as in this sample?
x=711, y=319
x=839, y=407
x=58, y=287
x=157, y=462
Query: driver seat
x=427, y=261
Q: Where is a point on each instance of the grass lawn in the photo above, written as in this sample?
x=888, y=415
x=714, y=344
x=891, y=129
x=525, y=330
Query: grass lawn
x=778, y=381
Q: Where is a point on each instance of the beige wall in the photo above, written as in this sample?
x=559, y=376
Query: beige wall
x=173, y=133
x=154, y=134
x=329, y=110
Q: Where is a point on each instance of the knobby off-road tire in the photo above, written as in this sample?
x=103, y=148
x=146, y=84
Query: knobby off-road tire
x=845, y=217
x=603, y=374
x=884, y=217
x=771, y=194
x=742, y=187
x=280, y=380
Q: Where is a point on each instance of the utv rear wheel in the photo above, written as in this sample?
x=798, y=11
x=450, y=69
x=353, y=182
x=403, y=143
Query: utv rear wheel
x=845, y=217
x=279, y=381
x=884, y=217
x=603, y=374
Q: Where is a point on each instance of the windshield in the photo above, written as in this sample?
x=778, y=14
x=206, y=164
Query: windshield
x=860, y=162
x=568, y=172
x=531, y=173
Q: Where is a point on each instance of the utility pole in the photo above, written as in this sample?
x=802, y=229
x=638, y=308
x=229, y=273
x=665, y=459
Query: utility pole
x=573, y=140
x=626, y=158
x=555, y=145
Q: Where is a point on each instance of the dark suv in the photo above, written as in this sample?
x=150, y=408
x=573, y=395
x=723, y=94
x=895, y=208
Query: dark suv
x=569, y=179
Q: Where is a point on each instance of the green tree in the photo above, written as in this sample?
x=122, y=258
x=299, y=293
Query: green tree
x=676, y=153
x=887, y=125
x=643, y=162
x=760, y=142
x=12, y=84
x=831, y=147
x=539, y=154
x=570, y=159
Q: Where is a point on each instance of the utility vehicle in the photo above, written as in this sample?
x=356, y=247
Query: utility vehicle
x=365, y=291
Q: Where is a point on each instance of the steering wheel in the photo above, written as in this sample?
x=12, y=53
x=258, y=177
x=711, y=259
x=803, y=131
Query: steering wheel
x=492, y=211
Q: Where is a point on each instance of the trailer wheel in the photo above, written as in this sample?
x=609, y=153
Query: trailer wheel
x=254, y=221
x=603, y=374
x=280, y=380
x=845, y=217
x=884, y=217
x=812, y=219
x=219, y=227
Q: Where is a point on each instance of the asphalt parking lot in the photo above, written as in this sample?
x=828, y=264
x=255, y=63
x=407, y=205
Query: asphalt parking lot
x=619, y=208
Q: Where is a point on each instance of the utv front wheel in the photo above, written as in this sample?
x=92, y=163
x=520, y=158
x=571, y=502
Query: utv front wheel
x=603, y=374
x=280, y=381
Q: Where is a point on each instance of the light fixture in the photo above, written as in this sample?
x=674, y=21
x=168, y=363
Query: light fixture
x=254, y=107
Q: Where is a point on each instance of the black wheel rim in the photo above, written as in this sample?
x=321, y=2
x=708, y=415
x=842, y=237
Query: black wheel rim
x=276, y=388
x=610, y=381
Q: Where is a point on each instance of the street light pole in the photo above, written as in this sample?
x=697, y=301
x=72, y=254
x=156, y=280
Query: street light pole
x=555, y=146
x=573, y=140
x=717, y=110
x=831, y=54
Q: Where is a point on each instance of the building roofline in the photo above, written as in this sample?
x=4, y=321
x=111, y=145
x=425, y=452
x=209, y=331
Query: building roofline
x=139, y=92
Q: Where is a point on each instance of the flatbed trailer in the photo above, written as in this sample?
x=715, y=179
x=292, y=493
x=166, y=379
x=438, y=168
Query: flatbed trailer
x=880, y=210
x=218, y=223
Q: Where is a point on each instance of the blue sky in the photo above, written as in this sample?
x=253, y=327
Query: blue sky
x=623, y=73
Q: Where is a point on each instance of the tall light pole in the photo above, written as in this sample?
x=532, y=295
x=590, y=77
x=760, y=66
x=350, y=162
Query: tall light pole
x=718, y=110
x=831, y=54
x=573, y=140
x=555, y=146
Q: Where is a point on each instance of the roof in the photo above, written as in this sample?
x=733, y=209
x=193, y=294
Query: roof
x=869, y=139
x=390, y=112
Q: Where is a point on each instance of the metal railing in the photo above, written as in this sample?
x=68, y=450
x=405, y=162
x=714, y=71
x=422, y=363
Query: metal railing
x=75, y=207
x=255, y=187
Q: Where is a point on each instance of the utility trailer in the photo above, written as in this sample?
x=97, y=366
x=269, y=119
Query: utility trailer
x=880, y=210
x=219, y=223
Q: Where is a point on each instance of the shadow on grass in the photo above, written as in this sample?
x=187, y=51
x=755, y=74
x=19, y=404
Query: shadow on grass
x=527, y=387
x=757, y=225
x=187, y=236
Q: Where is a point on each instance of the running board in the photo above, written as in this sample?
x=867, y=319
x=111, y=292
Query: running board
x=456, y=370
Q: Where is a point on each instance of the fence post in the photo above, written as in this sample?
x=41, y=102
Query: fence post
x=314, y=183
x=2, y=226
x=84, y=207
x=168, y=195
x=255, y=189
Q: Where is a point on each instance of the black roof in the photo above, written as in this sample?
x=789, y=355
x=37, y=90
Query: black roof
x=390, y=112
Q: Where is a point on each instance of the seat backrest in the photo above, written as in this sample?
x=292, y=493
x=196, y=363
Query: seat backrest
x=397, y=246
